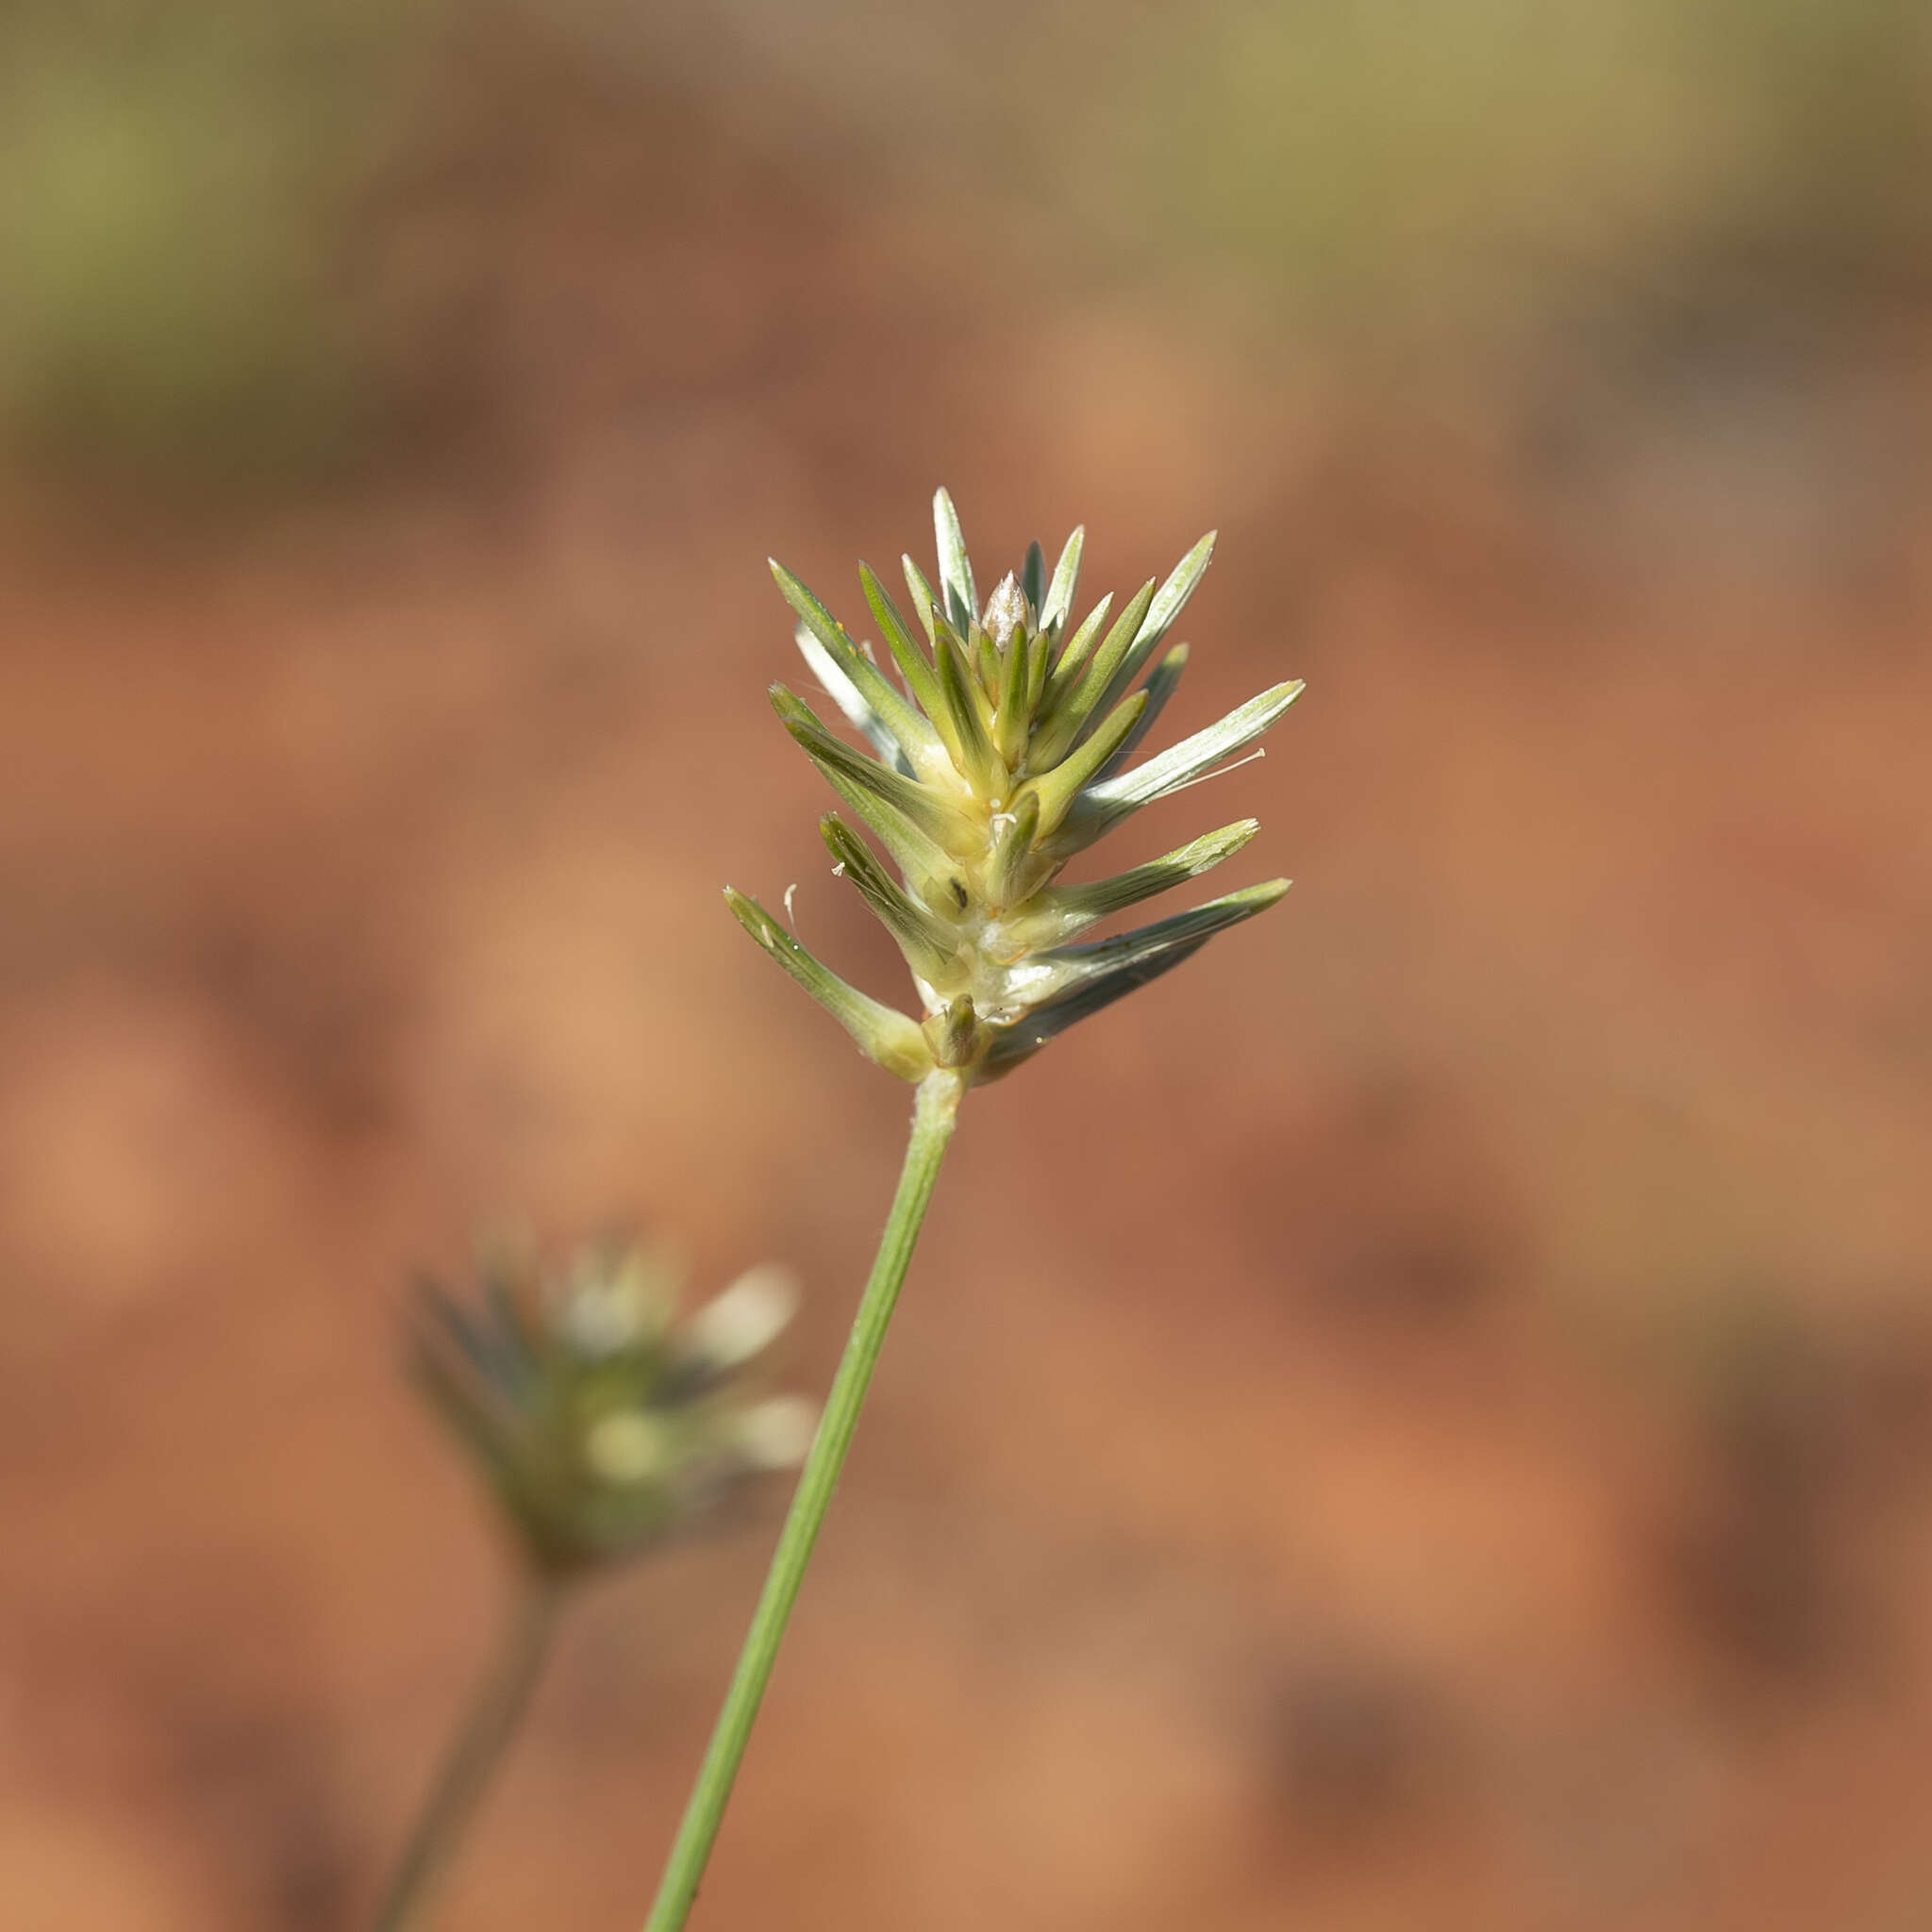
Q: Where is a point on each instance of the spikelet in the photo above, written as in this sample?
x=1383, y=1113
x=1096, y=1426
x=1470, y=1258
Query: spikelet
x=603, y=1423
x=1002, y=755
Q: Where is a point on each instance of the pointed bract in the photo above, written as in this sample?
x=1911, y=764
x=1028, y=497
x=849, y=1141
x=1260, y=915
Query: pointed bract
x=1065, y=909
x=1060, y=787
x=1069, y=706
x=1104, y=805
x=924, y=605
x=882, y=1035
x=1161, y=613
x=913, y=801
x=1009, y=869
x=955, y=571
x=1073, y=653
x=907, y=729
x=977, y=760
x=1066, y=582
x=1060, y=968
x=927, y=944
x=851, y=700
x=918, y=857
x=1159, y=688
x=1033, y=576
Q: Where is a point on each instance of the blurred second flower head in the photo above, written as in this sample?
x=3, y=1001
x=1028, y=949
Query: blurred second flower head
x=603, y=1421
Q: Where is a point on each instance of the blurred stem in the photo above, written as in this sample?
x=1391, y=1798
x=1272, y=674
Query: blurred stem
x=496, y=1708
x=933, y=1118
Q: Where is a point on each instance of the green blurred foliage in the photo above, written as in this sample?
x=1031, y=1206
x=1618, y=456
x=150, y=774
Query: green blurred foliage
x=1379, y=164
x=1382, y=161
x=1836, y=162
x=184, y=188
x=174, y=184
x=1374, y=155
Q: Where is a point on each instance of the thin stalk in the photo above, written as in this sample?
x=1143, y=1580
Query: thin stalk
x=933, y=1118
x=496, y=1708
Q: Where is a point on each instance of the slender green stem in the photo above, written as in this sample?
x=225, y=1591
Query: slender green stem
x=933, y=1118
x=486, y=1728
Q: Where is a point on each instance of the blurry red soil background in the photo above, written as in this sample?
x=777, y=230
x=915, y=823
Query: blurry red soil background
x=1421, y=1420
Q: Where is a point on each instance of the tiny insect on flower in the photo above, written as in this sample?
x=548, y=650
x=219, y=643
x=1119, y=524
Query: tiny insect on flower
x=603, y=1422
x=1003, y=754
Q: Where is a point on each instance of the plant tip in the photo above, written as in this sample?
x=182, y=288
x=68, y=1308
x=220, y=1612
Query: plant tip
x=1006, y=751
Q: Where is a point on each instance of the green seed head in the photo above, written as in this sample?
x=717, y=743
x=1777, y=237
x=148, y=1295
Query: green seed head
x=602, y=1421
x=1002, y=752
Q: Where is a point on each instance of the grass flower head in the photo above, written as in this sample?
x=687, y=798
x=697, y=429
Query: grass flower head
x=1003, y=751
x=603, y=1422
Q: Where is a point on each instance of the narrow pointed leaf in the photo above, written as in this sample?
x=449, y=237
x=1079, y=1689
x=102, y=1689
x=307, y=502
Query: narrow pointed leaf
x=1161, y=613
x=1159, y=688
x=1109, y=801
x=966, y=708
x=491, y=1351
x=1057, y=789
x=1069, y=702
x=1076, y=646
x=1013, y=717
x=515, y=1321
x=1070, y=908
x=1024, y=1037
x=1033, y=577
x=851, y=700
x=918, y=858
x=890, y=1038
x=482, y=1416
x=928, y=812
x=1066, y=581
x=987, y=662
x=914, y=665
x=1060, y=968
x=1007, y=880
x=910, y=732
x=1039, y=662
x=1174, y=592
x=927, y=944
x=924, y=605
x=956, y=569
